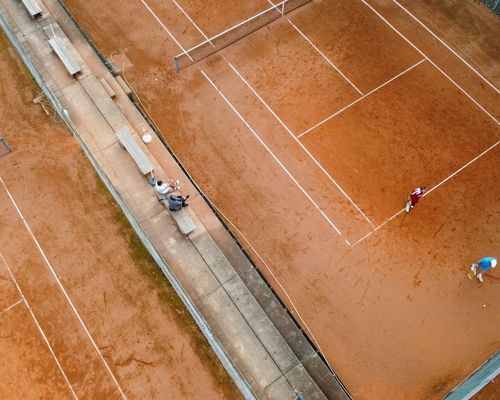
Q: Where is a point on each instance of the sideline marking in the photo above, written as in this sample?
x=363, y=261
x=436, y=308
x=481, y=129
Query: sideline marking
x=325, y=57
x=448, y=47
x=300, y=144
x=253, y=249
x=361, y=98
x=432, y=62
x=271, y=153
x=12, y=306
x=61, y=287
x=196, y=26
x=23, y=299
x=429, y=191
x=165, y=28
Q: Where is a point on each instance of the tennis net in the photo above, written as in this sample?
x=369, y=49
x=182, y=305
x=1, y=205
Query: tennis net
x=235, y=33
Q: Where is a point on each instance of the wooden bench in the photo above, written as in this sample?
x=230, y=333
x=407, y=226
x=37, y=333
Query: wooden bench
x=183, y=219
x=33, y=8
x=65, y=55
x=141, y=159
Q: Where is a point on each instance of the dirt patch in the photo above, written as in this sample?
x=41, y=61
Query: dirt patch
x=149, y=339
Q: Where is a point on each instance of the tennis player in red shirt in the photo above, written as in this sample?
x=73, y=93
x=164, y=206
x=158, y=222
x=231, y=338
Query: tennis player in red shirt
x=415, y=197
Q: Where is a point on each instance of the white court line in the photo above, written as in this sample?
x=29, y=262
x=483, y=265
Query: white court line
x=325, y=57
x=11, y=306
x=448, y=47
x=194, y=23
x=300, y=144
x=429, y=191
x=165, y=28
x=23, y=299
x=272, y=154
x=361, y=98
x=432, y=62
x=61, y=287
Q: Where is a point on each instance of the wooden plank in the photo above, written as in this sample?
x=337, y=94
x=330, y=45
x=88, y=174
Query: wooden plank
x=108, y=88
x=33, y=8
x=123, y=85
x=141, y=159
x=183, y=219
x=64, y=55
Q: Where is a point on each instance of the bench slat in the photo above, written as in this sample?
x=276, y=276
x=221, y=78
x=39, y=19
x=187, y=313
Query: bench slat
x=141, y=159
x=183, y=219
x=32, y=7
x=64, y=55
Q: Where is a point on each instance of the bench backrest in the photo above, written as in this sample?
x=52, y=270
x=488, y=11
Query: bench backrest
x=183, y=219
x=32, y=7
x=64, y=55
x=141, y=159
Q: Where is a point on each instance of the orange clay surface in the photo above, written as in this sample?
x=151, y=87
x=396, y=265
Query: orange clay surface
x=140, y=327
x=316, y=184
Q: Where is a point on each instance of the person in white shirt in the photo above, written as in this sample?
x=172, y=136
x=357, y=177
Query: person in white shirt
x=164, y=188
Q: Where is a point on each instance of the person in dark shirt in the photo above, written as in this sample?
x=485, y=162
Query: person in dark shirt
x=175, y=203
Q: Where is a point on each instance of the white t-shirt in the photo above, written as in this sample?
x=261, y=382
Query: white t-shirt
x=163, y=188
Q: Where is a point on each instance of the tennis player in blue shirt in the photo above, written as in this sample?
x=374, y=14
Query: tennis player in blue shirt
x=483, y=266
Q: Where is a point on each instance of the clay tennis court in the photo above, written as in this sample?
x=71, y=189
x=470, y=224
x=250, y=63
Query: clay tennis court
x=84, y=311
x=308, y=135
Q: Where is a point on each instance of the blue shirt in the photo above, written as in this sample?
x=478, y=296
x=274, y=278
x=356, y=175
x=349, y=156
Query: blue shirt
x=485, y=263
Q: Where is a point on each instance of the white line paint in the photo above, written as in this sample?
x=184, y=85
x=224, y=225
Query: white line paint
x=194, y=23
x=429, y=191
x=165, y=28
x=11, y=306
x=271, y=153
x=300, y=144
x=448, y=47
x=432, y=62
x=63, y=290
x=325, y=57
x=462, y=168
x=23, y=299
x=361, y=98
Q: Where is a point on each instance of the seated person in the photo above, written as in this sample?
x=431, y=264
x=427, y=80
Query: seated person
x=164, y=188
x=175, y=203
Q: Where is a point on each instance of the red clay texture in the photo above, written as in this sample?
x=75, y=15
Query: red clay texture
x=384, y=294
x=139, y=326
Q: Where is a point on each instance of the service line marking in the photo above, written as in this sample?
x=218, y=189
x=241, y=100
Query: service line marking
x=46, y=340
x=300, y=144
x=429, y=191
x=194, y=23
x=325, y=57
x=11, y=306
x=361, y=98
x=272, y=154
x=444, y=44
x=165, y=28
x=432, y=62
x=63, y=290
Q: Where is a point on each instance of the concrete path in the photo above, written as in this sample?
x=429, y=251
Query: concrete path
x=262, y=341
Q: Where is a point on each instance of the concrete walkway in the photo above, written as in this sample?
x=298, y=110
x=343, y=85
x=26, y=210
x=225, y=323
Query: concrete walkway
x=262, y=341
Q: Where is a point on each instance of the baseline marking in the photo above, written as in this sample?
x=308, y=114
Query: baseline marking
x=361, y=98
x=325, y=57
x=23, y=299
x=448, y=47
x=272, y=154
x=429, y=191
x=61, y=287
x=300, y=144
x=432, y=62
x=11, y=306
